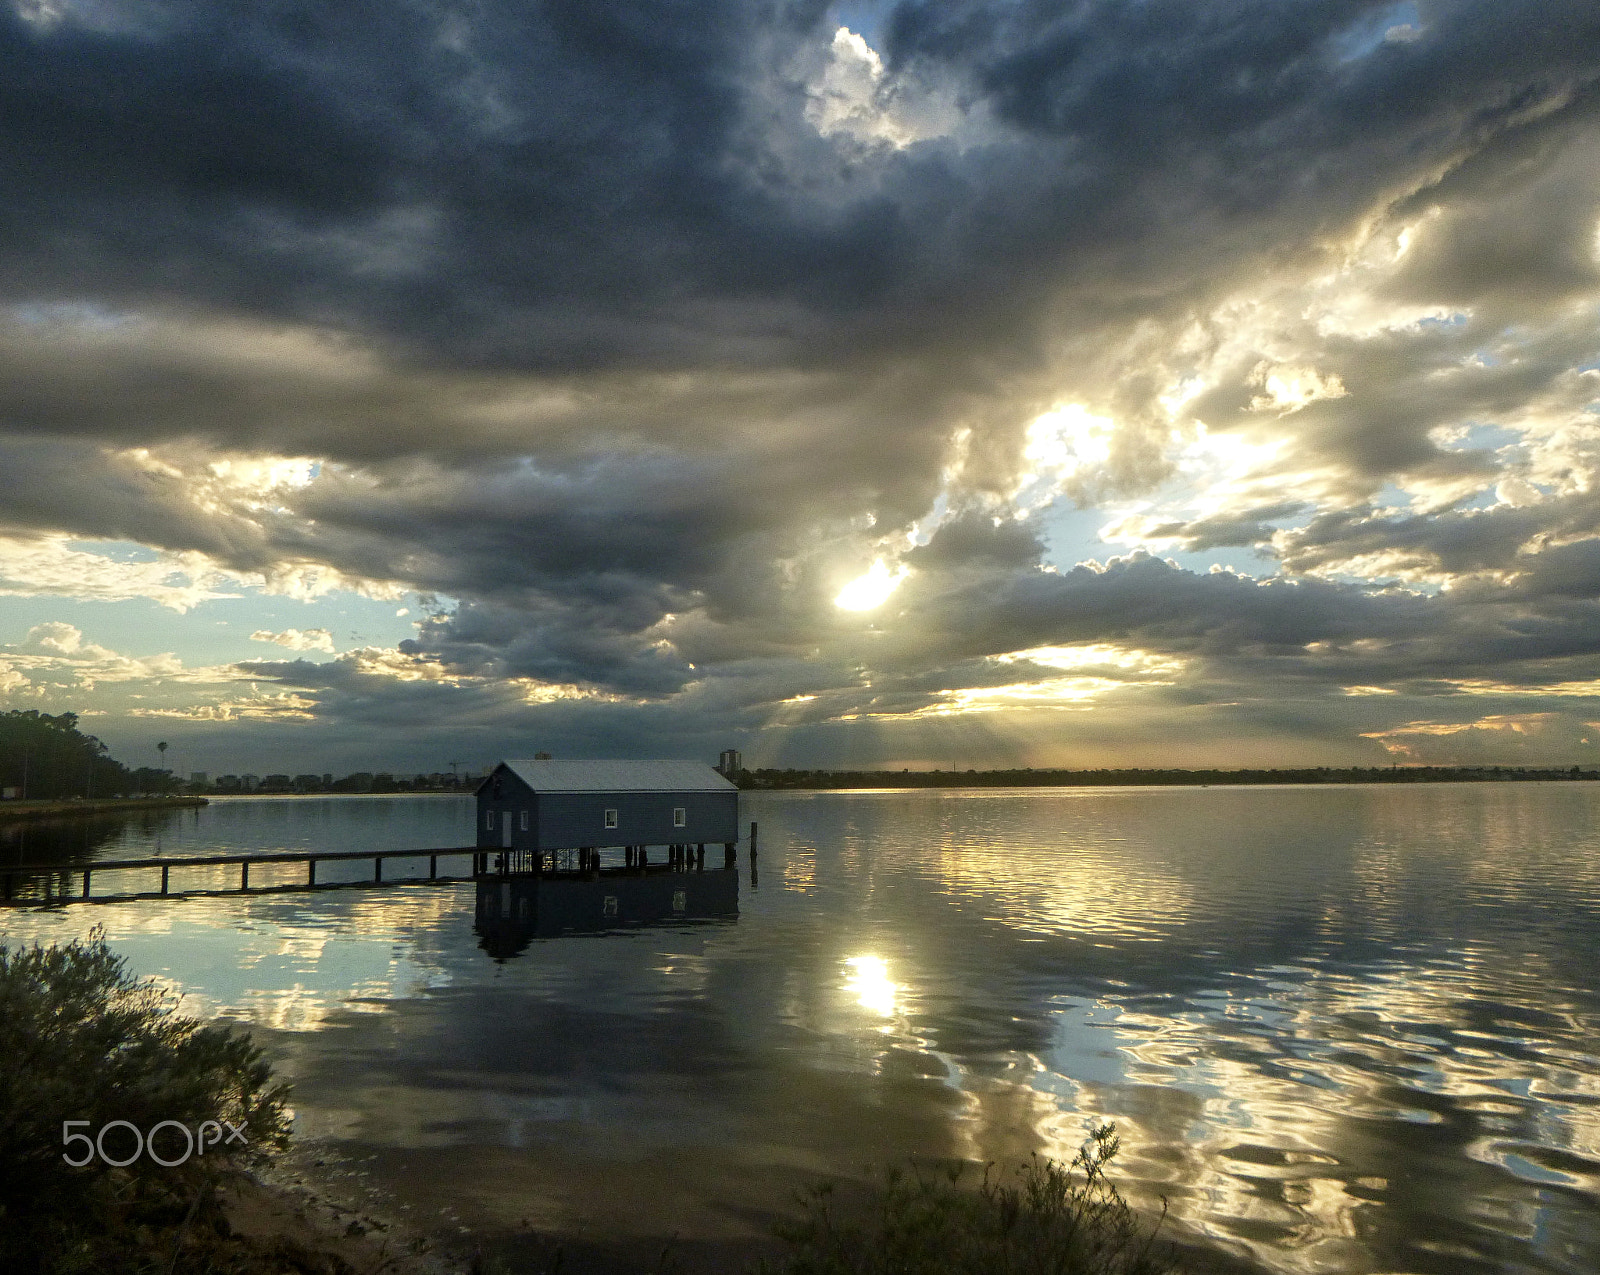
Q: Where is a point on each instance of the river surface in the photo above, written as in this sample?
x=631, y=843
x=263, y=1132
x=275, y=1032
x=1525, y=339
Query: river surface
x=1348, y=1029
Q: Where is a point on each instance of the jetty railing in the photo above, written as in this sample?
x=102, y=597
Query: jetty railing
x=54, y=874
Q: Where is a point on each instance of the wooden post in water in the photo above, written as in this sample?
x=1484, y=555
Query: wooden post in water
x=433, y=867
x=86, y=883
x=244, y=875
x=377, y=867
x=752, y=838
x=311, y=872
x=164, y=868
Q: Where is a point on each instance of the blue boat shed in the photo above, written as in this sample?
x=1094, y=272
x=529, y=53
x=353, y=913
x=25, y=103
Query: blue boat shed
x=543, y=805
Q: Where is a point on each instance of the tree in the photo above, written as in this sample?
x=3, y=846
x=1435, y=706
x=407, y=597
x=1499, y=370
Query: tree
x=51, y=758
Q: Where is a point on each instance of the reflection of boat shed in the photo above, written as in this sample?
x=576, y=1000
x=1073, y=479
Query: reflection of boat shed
x=540, y=805
x=514, y=910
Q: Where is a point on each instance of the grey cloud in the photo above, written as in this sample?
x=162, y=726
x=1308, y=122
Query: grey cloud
x=981, y=540
x=1238, y=527
x=616, y=183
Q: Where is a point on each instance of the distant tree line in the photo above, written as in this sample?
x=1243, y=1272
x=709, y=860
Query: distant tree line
x=767, y=778
x=46, y=757
x=362, y=781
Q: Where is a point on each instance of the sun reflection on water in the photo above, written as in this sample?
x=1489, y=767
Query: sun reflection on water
x=870, y=983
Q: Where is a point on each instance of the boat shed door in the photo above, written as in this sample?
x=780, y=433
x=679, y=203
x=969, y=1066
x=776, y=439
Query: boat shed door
x=505, y=829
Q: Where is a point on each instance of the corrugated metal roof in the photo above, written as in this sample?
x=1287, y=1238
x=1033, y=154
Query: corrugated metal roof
x=619, y=776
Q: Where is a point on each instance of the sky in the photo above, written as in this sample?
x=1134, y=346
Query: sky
x=967, y=383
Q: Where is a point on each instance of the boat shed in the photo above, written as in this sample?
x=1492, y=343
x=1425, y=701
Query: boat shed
x=539, y=805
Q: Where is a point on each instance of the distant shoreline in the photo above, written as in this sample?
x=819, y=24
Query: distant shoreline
x=816, y=780
x=399, y=792
x=14, y=811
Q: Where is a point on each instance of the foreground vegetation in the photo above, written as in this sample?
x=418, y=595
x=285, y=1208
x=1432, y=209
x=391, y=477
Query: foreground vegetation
x=1048, y=1219
x=82, y=1040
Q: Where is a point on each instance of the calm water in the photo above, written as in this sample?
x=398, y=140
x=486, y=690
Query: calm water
x=1348, y=1029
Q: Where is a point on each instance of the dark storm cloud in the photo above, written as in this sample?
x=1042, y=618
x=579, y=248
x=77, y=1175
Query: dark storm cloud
x=591, y=183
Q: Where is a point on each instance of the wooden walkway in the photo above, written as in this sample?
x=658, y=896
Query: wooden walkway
x=32, y=884
x=74, y=882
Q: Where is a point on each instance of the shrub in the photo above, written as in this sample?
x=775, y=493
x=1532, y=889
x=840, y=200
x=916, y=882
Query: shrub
x=81, y=1039
x=1046, y=1219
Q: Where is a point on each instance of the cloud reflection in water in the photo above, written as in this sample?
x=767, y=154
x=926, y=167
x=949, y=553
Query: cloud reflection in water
x=1337, y=1029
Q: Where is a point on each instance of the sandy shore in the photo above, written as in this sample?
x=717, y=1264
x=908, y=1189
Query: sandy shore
x=326, y=1207
x=296, y=1206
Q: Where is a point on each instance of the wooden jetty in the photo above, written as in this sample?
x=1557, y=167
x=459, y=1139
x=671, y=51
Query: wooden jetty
x=74, y=882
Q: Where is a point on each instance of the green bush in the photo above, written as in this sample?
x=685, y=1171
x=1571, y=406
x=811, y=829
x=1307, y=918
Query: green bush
x=81, y=1039
x=1046, y=1219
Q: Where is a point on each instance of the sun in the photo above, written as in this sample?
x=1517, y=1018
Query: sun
x=871, y=590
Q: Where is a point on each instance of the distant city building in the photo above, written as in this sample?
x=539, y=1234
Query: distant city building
x=197, y=776
x=228, y=783
x=277, y=783
x=250, y=783
x=730, y=763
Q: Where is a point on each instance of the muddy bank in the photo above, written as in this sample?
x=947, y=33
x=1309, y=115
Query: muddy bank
x=18, y=811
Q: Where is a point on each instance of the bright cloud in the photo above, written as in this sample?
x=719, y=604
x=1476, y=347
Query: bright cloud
x=854, y=97
x=297, y=639
x=55, y=662
x=61, y=566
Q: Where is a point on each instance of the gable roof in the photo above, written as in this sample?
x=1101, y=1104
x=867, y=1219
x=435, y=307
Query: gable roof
x=619, y=776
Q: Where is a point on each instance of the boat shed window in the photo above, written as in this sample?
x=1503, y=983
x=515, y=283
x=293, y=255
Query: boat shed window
x=488, y=821
x=611, y=818
x=680, y=817
x=524, y=820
